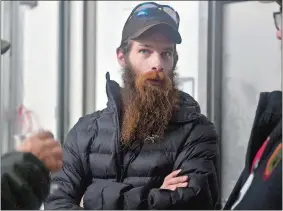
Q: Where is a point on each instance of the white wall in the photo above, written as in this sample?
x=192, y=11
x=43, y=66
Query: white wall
x=41, y=61
x=109, y=32
x=41, y=53
x=76, y=60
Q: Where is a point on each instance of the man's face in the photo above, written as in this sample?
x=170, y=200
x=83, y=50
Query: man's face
x=153, y=53
x=149, y=94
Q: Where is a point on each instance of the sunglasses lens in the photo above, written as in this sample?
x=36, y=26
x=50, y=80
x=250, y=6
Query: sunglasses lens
x=171, y=12
x=145, y=6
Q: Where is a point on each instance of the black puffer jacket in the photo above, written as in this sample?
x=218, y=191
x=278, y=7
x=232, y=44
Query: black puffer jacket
x=264, y=192
x=109, y=177
x=24, y=181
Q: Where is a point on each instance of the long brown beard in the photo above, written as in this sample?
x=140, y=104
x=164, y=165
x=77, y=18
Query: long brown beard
x=147, y=108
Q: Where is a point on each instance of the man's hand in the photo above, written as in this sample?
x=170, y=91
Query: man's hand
x=45, y=148
x=172, y=182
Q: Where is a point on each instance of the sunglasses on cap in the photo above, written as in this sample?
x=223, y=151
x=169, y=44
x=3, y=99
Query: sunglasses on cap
x=152, y=5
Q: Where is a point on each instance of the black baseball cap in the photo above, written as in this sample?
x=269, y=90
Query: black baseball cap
x=4, y=46
x=142, y=20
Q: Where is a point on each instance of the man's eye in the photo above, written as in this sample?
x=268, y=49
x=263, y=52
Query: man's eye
x=167, y=54
x=144, y=51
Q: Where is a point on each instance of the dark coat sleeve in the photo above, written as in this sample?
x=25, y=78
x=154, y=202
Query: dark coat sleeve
x=24, y=181
x=70, y=181
x=109, y=195
x=196, y=159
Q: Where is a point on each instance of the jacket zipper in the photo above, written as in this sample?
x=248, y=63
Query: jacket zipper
x=120, y=170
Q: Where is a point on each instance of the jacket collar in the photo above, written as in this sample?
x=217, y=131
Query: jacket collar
x=268, y=116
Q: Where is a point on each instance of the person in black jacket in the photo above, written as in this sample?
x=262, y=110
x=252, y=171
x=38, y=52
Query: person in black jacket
x=151, y=148
x=259, y=186
x=25, y=178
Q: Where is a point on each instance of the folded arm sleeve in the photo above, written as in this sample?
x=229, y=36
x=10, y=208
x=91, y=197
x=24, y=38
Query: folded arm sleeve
x=69, y=184
x=196, y=160
x=109, y=195
x=24, y=181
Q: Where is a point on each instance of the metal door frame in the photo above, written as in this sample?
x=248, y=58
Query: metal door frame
x=89, y=56
x=210, y=66
x=63, y=106
x=210, y=59
x=11, y=80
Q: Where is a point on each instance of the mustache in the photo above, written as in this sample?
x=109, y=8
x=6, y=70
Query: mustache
x=153, y=75
x=141, y=79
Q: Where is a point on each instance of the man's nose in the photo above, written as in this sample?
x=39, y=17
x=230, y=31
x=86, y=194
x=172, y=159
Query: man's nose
x=279, y=35
x=157, y=64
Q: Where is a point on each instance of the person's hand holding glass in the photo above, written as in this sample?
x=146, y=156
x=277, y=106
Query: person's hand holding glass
x=34, y=139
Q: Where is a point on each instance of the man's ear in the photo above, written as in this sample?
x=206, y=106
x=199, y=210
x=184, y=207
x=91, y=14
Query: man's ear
x=120, y=57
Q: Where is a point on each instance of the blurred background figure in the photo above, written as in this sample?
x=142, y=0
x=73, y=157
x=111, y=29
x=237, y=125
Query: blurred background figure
x=260, y=183
x=224, y=63
x=25, y=171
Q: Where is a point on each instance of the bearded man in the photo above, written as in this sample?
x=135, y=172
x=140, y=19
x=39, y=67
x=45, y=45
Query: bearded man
x=150, y=148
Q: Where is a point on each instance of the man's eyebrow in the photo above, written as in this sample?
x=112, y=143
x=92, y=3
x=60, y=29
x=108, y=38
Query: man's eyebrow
x=146, y=45
x=171, y=49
